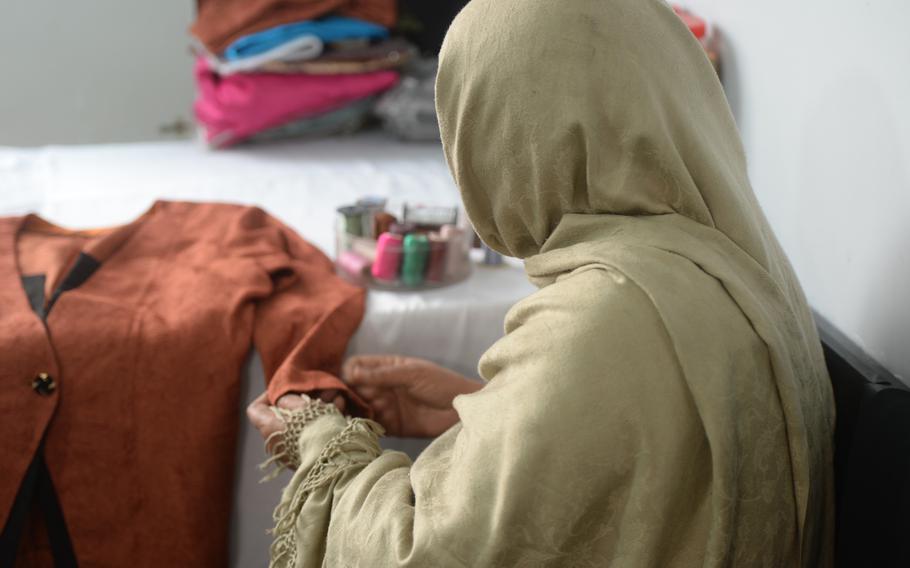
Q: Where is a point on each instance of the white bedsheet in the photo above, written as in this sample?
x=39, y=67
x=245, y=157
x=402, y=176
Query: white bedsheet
x=301, y=183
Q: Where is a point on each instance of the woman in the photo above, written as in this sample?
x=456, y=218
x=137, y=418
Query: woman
x=661, y=400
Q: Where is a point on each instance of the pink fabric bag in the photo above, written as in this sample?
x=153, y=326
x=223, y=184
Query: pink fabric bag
x=235, y=107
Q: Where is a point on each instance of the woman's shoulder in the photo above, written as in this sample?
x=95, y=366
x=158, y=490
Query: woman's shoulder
x=587, y=299
x=602, y=310
x=593, y=332
x=588, y=318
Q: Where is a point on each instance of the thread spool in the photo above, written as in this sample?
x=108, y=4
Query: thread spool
x=388, y=257
x=402, y=228
x=352, y=217
x=430, y=218
x=372, y=206
x=414, y=264
x=491, y=257
x=382, y=222
x=364, y=247
x=366, y=224
x=456, y=255
x=354, y=264
x=436, y=264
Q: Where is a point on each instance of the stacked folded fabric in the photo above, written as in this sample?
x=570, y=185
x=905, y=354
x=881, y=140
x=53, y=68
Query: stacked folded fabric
x=270, y=69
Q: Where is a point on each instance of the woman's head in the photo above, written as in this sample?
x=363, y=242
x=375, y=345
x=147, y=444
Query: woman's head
x=587, y=106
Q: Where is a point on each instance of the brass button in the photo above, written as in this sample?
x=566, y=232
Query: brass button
x=44, y=384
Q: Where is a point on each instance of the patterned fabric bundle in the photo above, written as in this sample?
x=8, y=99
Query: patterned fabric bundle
x=346, y=120
x=267, y=68
x=236, y=107
x=392, y=54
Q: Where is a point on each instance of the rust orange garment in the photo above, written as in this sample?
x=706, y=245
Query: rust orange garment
x=221, y=22
x=144, y=357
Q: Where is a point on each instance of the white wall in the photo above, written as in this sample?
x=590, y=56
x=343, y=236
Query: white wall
x=821, y=92
x=93, y=71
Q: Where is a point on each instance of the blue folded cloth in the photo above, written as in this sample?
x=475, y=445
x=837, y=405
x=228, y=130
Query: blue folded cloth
x=329, y=29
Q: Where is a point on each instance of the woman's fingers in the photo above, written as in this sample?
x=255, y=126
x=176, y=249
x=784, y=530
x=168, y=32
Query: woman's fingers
x=293, y=401
x=333, y=396
x=262, y=417
x=327, y=395
x=380, y=404
x=258, y=411
x=297, y=401
x=366, y=371
x=354, y=363
x=368, y=392
x=369, y=361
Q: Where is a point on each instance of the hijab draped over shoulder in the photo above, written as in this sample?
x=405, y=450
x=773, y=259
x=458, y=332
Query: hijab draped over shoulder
x=662, y=400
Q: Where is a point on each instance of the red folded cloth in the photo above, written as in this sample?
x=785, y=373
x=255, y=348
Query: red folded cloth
x=233, y=108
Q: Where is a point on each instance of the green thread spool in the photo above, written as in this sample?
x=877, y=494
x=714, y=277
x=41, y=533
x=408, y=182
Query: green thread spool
x=353, y=219
x=416, y=250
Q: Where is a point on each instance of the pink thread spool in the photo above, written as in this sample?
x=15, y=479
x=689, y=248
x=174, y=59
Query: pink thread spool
x=354, y=264
x=388, y=257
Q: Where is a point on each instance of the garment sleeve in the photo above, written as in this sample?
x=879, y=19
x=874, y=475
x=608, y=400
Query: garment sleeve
x=563, y=458
x=303, y=326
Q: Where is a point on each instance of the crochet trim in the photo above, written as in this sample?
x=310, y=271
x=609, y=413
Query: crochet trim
x=283, y=444
x=354, y=446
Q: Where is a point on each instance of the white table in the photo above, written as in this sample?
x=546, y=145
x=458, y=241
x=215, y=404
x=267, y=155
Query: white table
x=302, y=183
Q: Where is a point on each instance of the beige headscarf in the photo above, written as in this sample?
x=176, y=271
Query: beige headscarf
x=595, y=133
x=661, y=401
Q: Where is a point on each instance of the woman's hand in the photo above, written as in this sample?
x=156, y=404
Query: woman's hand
x=411, y=397
x=266, y=421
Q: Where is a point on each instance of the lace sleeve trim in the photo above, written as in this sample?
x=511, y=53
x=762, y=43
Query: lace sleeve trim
x=354, y=446
x=284, y=444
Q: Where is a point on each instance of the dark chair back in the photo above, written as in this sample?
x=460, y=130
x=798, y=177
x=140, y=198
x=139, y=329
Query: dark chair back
x=872, y=458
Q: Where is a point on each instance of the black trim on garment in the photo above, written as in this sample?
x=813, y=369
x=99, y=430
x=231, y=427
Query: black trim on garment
x=18, y=514
x=80, y=272
x=34, y=289
x=37, y=487
x=57, y=533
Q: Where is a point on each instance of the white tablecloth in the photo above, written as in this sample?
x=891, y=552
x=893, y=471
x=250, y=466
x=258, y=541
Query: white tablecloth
x=302, y=183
